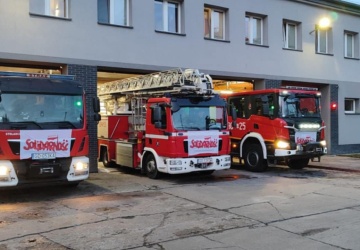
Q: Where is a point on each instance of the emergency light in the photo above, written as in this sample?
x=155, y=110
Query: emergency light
x=333, y=106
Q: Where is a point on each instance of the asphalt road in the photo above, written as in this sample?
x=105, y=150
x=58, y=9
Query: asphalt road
x=314, y=208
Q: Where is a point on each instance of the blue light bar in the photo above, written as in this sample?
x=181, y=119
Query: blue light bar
x=37, y=75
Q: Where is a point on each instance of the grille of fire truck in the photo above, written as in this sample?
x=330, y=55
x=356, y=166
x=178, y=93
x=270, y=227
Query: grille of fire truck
x=175, y=80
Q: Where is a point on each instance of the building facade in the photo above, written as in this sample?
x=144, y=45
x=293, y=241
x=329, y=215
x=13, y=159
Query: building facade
x=269, y=43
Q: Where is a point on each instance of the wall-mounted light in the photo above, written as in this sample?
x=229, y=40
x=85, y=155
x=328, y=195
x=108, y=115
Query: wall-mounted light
x=323, y=24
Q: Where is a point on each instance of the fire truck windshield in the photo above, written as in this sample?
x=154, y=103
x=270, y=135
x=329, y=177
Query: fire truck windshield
x=299, y=105
x=46, y=111
x=199, y=118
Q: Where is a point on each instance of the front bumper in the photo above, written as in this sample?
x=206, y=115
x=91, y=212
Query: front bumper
x=40, y=173
x=188, y=165
x=311, y=150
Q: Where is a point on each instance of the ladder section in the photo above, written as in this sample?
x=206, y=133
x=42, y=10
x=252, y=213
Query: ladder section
x=175, y=80
x=139, y=113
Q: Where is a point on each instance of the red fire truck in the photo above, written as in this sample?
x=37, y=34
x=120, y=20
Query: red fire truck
x=276, y=125
x=43, y=130
x=166, y=122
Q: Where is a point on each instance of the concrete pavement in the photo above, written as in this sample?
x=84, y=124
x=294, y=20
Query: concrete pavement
x=232, y=209
x=338, y=162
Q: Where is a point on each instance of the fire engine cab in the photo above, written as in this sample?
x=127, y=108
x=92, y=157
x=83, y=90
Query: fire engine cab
x=43, y=130
x=275, y=125
x=166, y=122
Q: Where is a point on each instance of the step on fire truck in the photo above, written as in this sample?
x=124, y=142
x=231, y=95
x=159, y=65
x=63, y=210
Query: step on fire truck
x=166, y=122
x=43, y=130
x=277, y=125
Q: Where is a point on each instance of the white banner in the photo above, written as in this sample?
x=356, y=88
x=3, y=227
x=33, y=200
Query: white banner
x=45, y=141
x=305, y=137
x=201, y=142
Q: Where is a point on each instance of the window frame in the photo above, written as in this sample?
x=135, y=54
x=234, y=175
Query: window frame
x=249, y=32
x=111, y=14
x=165, y=16
x=347, y=35
x=286, y=24
x=319, y=42
x=355, y=42
x=353, y=105
x=211, y=11
x=47, y=8
x=328, y=41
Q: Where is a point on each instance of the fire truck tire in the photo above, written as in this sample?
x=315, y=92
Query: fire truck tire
x=254, y=158
x=298, y=163
x=151, y=167
x=105, y=160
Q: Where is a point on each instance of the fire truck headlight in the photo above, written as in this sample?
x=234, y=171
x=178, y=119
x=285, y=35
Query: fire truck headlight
x=4, y=171
x=282, y=145
x=81, y=168
x=323, y=143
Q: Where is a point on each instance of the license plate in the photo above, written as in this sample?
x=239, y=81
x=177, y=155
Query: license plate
x=204, y=160
x=42, y=156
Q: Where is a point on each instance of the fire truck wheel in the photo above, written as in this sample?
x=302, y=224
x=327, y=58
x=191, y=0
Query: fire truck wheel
x=298, y=163
x=105, y=159
x=151, y=168
x=254, y=158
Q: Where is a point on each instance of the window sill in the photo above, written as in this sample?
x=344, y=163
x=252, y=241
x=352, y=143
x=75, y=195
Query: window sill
x=296, y=50
x=257, y=45
x=52, y=17
x=352, y=58
x=216, y=40
x=352, y=113
x=170, y=33
x=324, y=54
x=116, y=25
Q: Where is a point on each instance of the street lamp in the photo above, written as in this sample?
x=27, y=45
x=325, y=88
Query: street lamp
x=323, y=24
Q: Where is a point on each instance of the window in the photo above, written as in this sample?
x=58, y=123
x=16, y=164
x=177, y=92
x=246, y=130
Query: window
x=255, y=29
x=113, y=12
x=351, y=44
x=350, y=106
x=167, y=16
x=214, y=20
x=239, y=104
x=324, y=41
x=292, y=35
x=55, y=8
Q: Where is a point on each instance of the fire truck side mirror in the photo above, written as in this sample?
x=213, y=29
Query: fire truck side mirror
x=96, y=104
x=156, y=116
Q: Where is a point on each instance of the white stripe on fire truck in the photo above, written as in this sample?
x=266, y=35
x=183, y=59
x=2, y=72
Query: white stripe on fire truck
x=157, y=136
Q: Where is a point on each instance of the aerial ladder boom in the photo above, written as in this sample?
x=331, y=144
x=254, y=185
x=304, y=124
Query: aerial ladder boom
x=174, y=80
